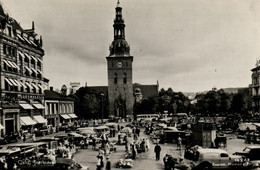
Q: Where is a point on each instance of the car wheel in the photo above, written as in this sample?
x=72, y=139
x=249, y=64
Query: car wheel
x=206, y=166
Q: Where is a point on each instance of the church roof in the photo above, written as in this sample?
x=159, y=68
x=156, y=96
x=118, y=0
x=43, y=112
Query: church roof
x=53, y=95
x=146, y=90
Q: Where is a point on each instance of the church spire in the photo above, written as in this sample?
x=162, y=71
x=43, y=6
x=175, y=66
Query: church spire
x=119, y=46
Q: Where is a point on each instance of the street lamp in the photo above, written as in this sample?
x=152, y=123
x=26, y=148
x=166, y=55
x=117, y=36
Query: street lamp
x=102, y=95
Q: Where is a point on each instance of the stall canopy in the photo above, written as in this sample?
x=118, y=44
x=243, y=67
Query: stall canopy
x=27, y=120
x=65, y=116
x=73, y=116
x=38, y=106
x=39, y=119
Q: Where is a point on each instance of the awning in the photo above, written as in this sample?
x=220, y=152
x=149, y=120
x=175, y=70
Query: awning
x=39, y=106
x=20, y=53
x=13, y=82
x=27, y=68
x=33, y=58
x=24, y=86
x=27, y=120
x=39, y=85
x=39, y=71
x=34, y=70
x=65, y=116
x=16, y=66
x=39, y=60
x=27, y=55
x=26, y=106
x=11, y=63
x=26, y=83
x=17, y=82
x=34, y=86
x=7, y=63
x=9, y=82
x=73, y=116
x=40, y=119
x=1, y=127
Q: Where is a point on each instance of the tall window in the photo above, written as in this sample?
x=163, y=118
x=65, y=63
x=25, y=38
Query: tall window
x=125, y=78
x=115, y=78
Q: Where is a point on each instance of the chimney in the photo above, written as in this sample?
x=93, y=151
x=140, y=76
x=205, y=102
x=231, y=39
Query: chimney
x=51, y=88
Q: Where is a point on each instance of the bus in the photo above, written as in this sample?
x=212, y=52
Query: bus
x=147, y=117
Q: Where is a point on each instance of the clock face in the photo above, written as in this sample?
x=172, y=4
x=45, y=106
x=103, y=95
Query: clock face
x=119, y=64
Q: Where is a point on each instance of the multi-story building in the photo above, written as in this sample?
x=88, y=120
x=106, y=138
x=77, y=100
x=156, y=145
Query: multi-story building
x=58, y=108
x=255, y=88
x=21, y=57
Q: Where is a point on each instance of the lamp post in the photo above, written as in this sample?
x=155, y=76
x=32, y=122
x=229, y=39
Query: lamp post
x=102, y=95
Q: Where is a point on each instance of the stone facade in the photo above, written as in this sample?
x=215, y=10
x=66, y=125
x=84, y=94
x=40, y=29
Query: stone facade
x=21, y=57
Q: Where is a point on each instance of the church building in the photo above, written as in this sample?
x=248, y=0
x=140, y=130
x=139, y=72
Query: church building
x=121, y=92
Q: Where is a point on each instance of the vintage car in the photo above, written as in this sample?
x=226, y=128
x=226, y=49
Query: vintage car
x=253, y=154
x=203, y=158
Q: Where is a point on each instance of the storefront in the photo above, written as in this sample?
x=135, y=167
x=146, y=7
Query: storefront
x=10, y=123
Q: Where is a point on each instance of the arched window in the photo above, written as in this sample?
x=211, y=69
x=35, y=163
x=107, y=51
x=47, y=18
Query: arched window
x=115, y=78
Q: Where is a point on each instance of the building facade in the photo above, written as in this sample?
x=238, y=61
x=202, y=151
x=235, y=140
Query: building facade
x=119, y=68
x=21, y=57
x=59, y=108
x=254, y=88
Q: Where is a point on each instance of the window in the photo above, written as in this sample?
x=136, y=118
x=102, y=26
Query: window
x=256, y=91
x=4, y=48
x=125, y=78
x=115, y=78
x=9, y=31
x=223, y=155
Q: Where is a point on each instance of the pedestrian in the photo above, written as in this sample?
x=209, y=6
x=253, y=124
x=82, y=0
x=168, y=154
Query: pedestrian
x=134, y=151
x=34, y=137
x=179, y=142
x=24, y=137
x=157, y=150
x=100, y=163
x=147, y=142
x=108, y=164
x=94, y=143
x=166, y=162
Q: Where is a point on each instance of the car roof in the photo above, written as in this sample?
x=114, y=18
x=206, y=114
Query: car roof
x=253, y=147
x=206, y=150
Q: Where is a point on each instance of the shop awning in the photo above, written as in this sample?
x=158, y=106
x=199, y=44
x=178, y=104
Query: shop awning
x=73, y=116
x=1, y=127
x=26, y=106
x=35, y=71
x=39, y=119
x=65, y=116
x=39, y=85
x=38, y=106
x=27, y=84
x=27, y=120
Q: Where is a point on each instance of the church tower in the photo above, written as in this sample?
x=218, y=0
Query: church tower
x=119, y=65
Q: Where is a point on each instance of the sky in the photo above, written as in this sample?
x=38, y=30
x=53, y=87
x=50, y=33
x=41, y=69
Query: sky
x=190, y=46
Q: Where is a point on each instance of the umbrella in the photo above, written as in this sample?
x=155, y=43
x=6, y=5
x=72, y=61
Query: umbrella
x=87, y=132
x=111, y=124
x=126, y=130
x=101, y=127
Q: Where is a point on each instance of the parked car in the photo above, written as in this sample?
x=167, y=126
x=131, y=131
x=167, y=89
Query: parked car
x=203, y=158
x=253, y=154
